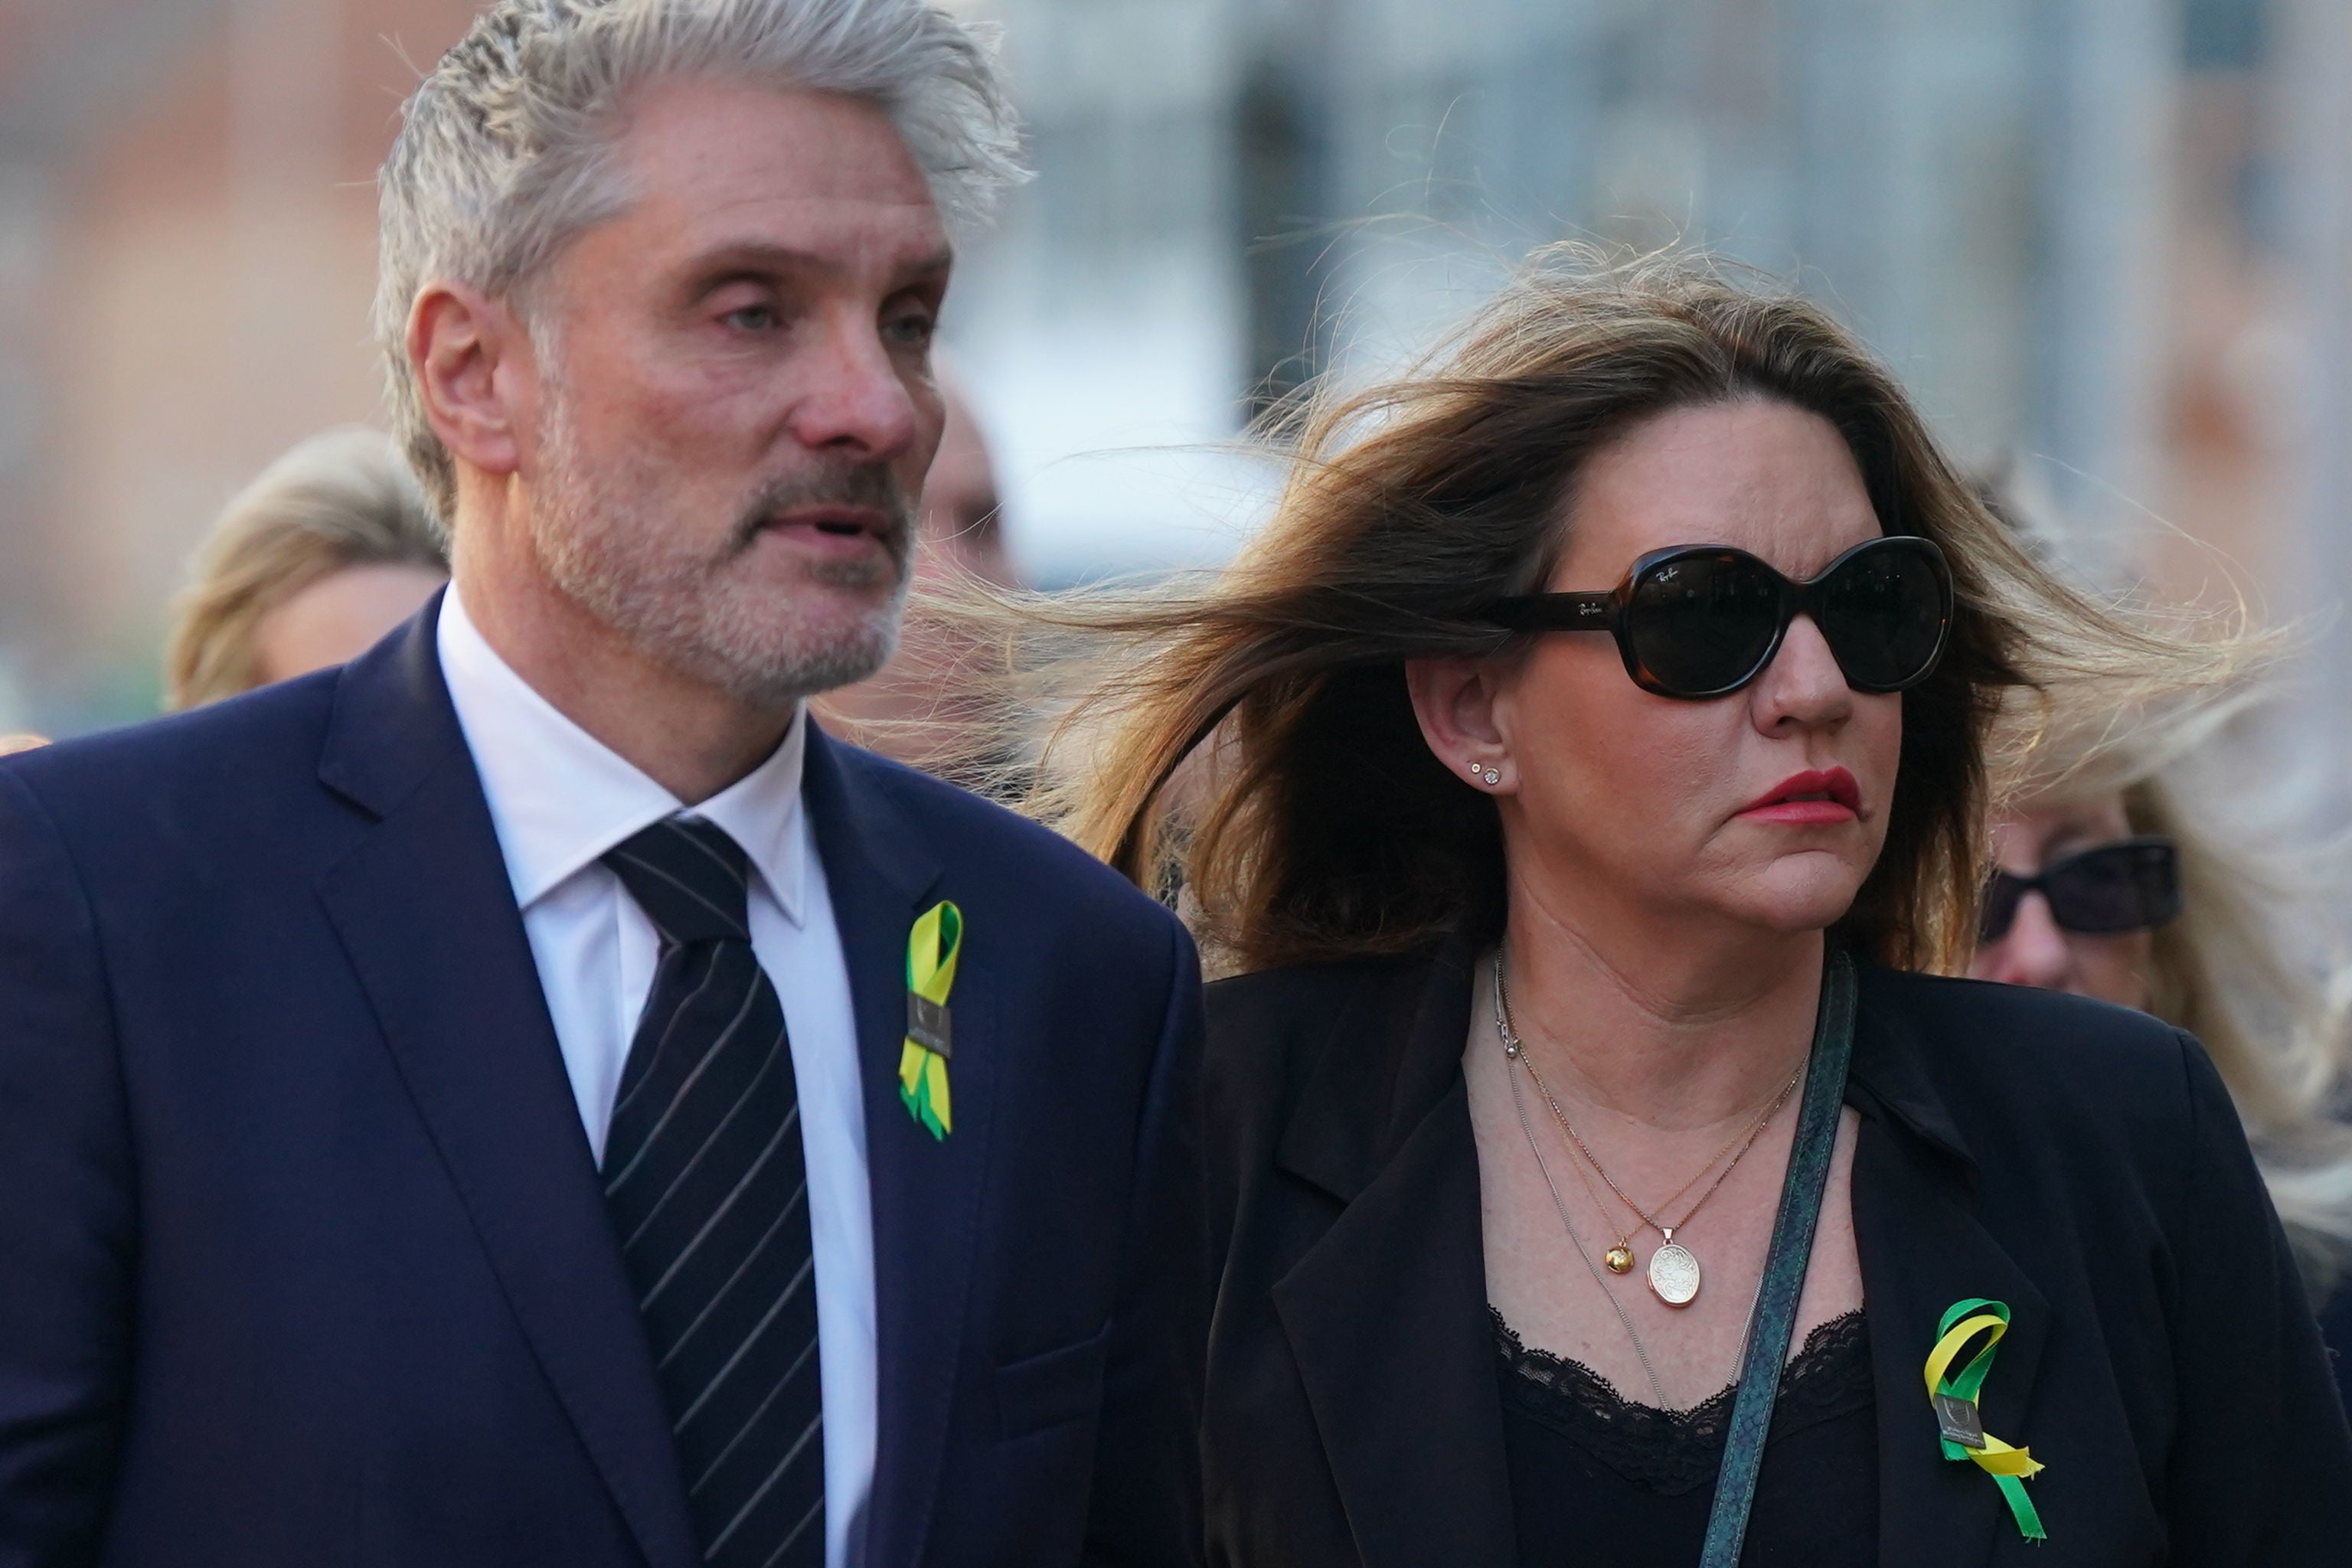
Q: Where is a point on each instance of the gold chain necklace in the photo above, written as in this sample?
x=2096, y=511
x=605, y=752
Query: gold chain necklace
x=1575, y=1242
x=1674, y=1272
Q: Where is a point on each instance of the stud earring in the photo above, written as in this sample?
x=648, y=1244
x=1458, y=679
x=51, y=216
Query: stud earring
x=1491, y=777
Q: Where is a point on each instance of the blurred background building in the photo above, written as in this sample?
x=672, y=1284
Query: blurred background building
x=2107, y=242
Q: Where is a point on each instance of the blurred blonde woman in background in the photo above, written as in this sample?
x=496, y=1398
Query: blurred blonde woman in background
x=2116, y=877
x=328, y=550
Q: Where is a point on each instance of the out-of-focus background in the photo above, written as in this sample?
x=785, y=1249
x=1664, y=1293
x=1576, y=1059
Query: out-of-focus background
x=2107, y=242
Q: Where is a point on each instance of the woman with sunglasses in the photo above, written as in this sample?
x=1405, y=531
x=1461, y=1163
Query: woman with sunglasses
x=2113, y=880
x=1588, y=781
x=2090, y=893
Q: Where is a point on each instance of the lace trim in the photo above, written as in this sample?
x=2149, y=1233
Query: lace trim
x=1674, y=1451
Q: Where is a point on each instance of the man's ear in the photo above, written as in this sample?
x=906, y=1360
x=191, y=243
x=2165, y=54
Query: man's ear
x=476, y=374
x=1453, y=700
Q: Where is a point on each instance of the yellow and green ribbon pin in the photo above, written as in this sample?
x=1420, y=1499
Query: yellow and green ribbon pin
x=932, y=949
x=1954, y=1398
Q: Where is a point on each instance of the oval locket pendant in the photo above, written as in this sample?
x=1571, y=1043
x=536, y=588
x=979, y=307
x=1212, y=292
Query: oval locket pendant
x=1674, y=1274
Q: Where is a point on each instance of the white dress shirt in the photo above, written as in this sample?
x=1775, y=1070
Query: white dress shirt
x=559, y=799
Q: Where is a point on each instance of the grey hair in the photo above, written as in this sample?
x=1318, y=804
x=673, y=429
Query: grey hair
x=503, y=156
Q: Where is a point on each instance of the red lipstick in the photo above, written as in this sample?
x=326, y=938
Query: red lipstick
x=1817, y=797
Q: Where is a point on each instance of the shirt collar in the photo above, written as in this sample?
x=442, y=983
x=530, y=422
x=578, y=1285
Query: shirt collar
x=560, y=797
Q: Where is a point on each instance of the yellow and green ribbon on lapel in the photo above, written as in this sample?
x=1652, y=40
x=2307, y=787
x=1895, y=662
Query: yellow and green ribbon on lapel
x=931, y=951
x=2008, y=1466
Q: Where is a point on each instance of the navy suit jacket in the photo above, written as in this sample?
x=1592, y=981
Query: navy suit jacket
x=303, y=1259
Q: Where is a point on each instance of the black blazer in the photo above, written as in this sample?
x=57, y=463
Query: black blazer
x=2079, y=1162
x=303, y=1258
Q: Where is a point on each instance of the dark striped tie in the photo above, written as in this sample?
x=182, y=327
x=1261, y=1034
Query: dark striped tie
x=707, y=1189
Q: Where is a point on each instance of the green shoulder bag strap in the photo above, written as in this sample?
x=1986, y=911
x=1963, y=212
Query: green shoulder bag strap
x=1775, y=1316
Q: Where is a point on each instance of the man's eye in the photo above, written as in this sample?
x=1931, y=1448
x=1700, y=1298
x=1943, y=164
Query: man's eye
x=752, y=318
x=913, y=328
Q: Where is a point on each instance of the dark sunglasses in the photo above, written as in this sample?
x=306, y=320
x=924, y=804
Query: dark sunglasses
x=2129, y=884
x=1699, y=621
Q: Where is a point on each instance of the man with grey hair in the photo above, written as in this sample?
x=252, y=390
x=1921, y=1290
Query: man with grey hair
x=530, y=1097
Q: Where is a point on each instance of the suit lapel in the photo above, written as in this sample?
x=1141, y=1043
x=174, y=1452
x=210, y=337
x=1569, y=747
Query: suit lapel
x=1923, y=1250
x=1386, y=1313
x=426, y=912
x=881, y=873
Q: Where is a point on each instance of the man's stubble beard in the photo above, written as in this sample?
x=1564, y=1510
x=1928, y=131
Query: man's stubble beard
x=603, y=534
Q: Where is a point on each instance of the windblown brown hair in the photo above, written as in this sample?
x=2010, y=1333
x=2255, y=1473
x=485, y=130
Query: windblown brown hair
x=1318, y=825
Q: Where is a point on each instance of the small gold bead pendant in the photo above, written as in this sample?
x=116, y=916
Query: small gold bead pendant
x=1620, y=1258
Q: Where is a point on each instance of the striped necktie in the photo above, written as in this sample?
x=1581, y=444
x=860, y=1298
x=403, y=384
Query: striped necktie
x=708, y=1191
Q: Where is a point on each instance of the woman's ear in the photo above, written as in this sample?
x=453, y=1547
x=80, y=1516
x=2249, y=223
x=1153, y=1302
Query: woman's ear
x=1453, y=701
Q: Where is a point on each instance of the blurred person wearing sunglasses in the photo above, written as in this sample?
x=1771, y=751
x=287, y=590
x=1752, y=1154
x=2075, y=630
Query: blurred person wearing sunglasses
x=330, y=548
x=2113, y=880
x=1590, y=783
x=2074, y=901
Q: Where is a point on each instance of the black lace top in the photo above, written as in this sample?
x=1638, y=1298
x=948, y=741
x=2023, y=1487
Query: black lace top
x=1596, y=1478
